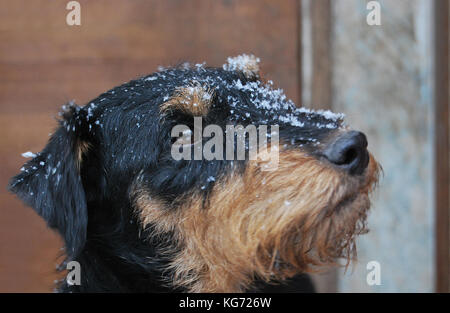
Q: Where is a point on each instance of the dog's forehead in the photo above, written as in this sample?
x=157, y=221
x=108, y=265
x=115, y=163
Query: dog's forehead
x=245, y=97
x=248, y=100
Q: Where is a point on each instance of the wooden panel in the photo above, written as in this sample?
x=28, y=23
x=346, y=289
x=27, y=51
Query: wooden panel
x=321, y=26
x=44, y=63
x=442, y=146
x=321, y=54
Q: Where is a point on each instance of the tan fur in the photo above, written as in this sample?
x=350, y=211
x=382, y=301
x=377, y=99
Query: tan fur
x=82, y=148
x=249, y=67
x=195, y=100
x=266, y=224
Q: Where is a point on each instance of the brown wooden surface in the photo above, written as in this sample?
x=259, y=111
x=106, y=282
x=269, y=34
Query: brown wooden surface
x=321, y=26
x=442, y=182
x=321, y=23
x=44, y=63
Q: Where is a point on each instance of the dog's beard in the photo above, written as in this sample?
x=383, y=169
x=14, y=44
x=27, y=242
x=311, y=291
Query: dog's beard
x=270, y=225
x=318, y=238
x=310, y=243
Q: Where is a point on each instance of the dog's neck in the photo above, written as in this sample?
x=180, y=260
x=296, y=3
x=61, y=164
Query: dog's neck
x=118, y=255
x=121, y=258
x=116, y=270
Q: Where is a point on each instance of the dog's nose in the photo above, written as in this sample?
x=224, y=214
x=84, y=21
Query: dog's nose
x=349, y=152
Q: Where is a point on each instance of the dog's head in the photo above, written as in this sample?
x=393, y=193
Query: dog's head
x=243, y=183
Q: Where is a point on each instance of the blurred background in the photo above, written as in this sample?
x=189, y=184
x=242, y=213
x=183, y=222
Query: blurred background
x=391, y=80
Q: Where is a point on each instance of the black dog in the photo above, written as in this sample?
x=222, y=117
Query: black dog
x=138, y=219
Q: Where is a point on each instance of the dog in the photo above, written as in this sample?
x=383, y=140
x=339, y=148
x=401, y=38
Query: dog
x=141, y=216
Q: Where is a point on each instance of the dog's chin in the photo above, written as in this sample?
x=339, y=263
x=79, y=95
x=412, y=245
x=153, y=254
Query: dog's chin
x=323, y=238
x=350, y=212
x=330, y=239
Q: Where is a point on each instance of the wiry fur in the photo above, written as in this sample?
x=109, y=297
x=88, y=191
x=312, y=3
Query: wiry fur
x=194, y=100
x=311, y=218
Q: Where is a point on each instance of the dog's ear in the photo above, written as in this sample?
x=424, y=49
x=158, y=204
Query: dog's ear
x=50, y=182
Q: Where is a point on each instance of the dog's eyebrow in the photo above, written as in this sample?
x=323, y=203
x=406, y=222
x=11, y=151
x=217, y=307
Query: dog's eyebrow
x=195, y=100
